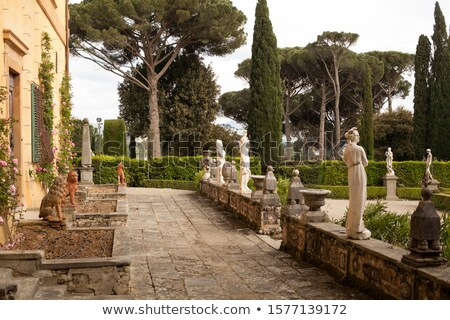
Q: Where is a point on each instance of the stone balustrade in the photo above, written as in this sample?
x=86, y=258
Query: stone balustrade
x=373, y=266
x=261, y=208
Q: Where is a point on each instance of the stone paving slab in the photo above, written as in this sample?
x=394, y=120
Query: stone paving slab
x=186, y=247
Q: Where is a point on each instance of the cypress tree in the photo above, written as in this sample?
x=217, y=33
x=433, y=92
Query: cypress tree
x=440, y=89
x=366, y=119
x=421, y=97
x=266, y=109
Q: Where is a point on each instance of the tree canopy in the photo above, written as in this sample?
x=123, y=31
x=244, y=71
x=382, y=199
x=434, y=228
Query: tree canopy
x=265, y=115
x=118, y=35
x=187, y=98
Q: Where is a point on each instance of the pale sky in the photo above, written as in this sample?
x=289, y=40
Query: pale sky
x=382, y=25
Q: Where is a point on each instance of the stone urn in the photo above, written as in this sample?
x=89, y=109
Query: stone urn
x=315, y=199
x=226, y=171
x=258, y=182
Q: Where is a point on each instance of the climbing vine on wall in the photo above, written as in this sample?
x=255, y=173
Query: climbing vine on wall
x=65, y=155
x=45, y=172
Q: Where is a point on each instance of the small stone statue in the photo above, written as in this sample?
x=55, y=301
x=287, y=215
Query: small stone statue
x=270, y=195
x=244, y=164
x=220, y=161
x=428, y=177
x=121, y=174
x=71, y=186
x=356, y=160
x=389, y=159
x=54, y=198
x=206, y=164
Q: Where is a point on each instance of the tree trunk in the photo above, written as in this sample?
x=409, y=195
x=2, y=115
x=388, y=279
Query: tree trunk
x=323, y=111
x=132, y=146
x=287, y=128
x=389, y=97
x=154, y=143
x=337, y=113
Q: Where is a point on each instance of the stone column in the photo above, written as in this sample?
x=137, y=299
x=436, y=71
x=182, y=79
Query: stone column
x=86, y=170
x=390, y=182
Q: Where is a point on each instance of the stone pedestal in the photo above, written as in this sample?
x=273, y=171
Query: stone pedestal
x=434, y=185
x=258, y=182
x=87, y=175
x=390, y=182
x=314, y=199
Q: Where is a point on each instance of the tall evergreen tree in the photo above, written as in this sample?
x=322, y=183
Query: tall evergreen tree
x=440, y=89
x=266, y=109
x=421, y=97
x=366, y=119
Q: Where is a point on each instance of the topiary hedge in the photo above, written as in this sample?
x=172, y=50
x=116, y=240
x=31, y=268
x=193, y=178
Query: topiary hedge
x=114, y=138
x=332, y=172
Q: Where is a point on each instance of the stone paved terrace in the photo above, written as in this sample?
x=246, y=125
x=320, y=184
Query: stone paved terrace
x=183, y=246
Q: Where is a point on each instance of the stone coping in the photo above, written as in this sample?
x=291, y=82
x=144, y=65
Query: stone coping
x=372, y=265
x=36, y=258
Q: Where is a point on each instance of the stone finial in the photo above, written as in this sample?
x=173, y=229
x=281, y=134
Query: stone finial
x=270, y=196
x=295, y=185
x=425, y=248
x=296, y=202
x=270, y=182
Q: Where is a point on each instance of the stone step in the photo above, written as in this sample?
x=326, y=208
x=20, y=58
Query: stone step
x=26, y=286
x=50, y=292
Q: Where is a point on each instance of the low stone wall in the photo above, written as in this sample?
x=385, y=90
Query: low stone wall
x=264, y=218
x=87, y=276
x=372, y=265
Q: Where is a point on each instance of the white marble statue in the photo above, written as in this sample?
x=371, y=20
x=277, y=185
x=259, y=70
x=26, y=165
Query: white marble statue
x=244, y=164
x=220, y=161
x=355, y=158
x=389, y=159
x=428, y=161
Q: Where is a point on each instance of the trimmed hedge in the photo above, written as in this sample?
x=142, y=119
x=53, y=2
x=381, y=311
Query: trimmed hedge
x=138, y=172
x=441, y=201
x=341, y=192
x=172, y=184
x=114, y=138
x=333, y=172
x=409, y=193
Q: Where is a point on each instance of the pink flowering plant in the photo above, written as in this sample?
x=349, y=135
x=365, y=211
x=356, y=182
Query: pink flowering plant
x=10, y=208
x=46, y=173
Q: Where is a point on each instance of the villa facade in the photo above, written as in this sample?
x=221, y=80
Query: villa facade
x=22, y=24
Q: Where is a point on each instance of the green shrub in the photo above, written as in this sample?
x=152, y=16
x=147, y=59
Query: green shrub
x=441, y=201
x=114, y=138
x=409, y=173
x=445, y=235
x=341, y=192
x=172, y=184
x=333, y=173
x=384, y=225
x=409, y=193
x=137, y=172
